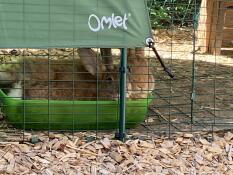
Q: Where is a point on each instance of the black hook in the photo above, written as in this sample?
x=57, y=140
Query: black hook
x=151, y=45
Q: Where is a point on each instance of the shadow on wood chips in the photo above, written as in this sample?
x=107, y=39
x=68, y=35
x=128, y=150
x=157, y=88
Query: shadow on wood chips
x=172, y=111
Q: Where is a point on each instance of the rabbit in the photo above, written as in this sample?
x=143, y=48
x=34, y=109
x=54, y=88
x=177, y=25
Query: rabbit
x=81, y=79
x=141, y=80
x=140, y=74
x=77, y=79
x=108, y=59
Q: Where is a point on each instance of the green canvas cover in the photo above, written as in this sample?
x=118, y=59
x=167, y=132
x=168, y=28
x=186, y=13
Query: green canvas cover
x=73, y=23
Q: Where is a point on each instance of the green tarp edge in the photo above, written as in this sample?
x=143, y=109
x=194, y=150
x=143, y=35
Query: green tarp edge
x=74, y=23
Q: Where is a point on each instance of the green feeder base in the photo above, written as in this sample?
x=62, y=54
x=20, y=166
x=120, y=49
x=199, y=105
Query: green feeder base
x=70, y=115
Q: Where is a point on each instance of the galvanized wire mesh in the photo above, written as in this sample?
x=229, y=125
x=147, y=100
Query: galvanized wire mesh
x=199, y=98
x=61, y=93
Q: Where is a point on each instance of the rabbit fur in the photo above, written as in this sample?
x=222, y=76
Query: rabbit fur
x=86, y=78
x=140, y=75
x=81, y=79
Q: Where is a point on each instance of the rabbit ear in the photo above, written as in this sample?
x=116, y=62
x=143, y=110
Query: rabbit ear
x=131, y=52
x=136, y=51
x=140, y=51
x=107, y=58
x=90, y=61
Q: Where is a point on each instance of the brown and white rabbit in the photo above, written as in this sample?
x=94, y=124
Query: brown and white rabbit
x=140, y=74
x=140, y=78
x=80, y=79
x=86, y=78
x=108, y=59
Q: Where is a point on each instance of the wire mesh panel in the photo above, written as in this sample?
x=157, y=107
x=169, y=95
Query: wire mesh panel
x=190, y=36
x=174, y=24
x=60, y=93
x=79, y=89
x=71, y=89
x=57, y=90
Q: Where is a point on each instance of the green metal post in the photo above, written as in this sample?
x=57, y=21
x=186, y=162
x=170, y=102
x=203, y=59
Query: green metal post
x=123, y=72
x=193, y=95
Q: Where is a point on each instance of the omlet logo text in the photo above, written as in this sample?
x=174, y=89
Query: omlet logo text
x=97, y=24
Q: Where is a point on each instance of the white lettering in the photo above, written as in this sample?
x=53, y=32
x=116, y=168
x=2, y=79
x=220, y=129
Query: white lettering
x=124, y=21
x=96, y=24
x=118, y=21
x=106, y=20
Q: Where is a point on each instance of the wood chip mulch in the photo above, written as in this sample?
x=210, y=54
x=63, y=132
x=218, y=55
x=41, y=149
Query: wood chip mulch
x=184, y=154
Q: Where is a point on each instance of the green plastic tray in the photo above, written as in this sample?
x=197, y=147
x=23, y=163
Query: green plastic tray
x=70, y=115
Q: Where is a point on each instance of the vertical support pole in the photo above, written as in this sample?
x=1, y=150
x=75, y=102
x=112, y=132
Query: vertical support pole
x=123, y=72
x=193, y=93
